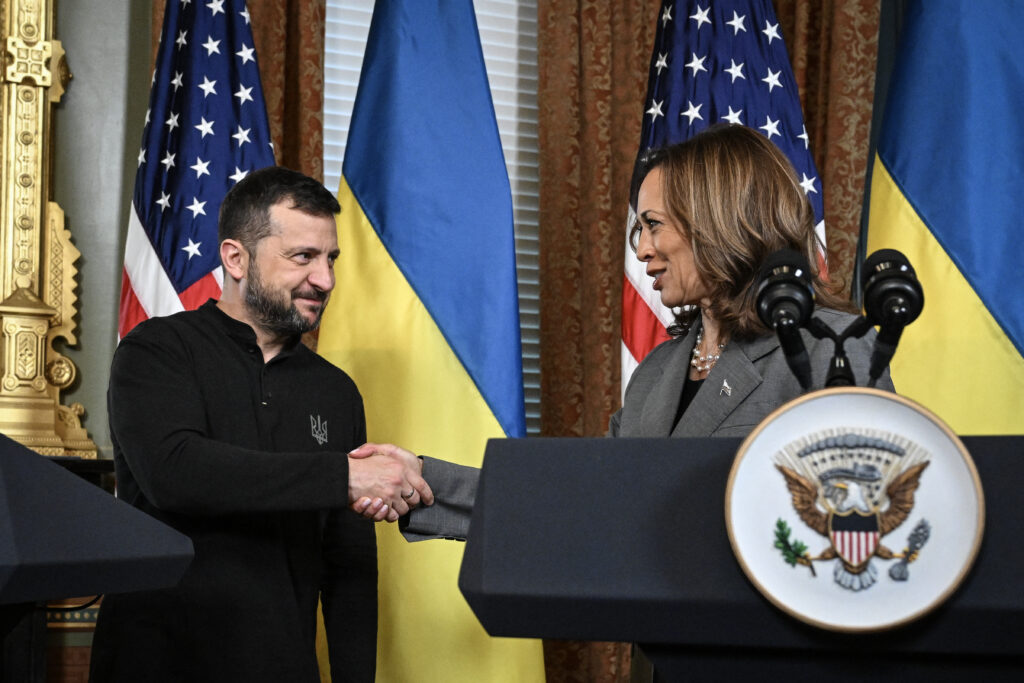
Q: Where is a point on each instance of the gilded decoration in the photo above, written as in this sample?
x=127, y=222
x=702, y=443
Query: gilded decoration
x=37, y=258
x=28, y=62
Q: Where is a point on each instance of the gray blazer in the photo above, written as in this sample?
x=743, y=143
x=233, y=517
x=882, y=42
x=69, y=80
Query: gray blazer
x=454, y=488
x=749, y=381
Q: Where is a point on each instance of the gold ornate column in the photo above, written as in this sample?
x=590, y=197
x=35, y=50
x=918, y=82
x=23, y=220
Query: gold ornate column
x=37, y=273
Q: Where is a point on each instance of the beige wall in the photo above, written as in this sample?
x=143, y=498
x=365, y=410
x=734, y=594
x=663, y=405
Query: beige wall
x=97, y=132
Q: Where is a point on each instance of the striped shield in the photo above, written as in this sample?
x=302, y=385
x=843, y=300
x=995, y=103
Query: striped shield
x=854, y=535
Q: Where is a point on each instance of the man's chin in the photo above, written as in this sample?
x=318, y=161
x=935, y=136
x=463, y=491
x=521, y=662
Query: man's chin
x=311, y=318
x=309, y=308
x=314, y=324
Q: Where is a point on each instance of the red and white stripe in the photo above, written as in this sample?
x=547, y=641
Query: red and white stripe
x=146, y=291
x=644, y=318
x=856, y=547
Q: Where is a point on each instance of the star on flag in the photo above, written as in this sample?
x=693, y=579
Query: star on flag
x=202, y=91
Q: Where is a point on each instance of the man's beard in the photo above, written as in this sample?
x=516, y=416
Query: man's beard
x=278, y=315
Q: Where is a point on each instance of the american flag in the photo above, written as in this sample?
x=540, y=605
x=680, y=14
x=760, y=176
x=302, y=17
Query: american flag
x=206, y=128
x=713, y=61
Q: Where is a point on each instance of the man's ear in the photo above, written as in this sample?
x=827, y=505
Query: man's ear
x=235, y=258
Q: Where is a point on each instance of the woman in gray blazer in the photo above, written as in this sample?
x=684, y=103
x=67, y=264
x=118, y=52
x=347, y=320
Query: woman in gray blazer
x=709, y=213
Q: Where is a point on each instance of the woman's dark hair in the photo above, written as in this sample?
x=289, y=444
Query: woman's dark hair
x=245, y=211
x=737, y=200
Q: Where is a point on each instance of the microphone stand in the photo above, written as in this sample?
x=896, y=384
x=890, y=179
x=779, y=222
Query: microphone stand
x=840, y=374
x=787, y=329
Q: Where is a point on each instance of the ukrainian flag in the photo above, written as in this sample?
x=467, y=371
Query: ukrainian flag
x=424, y=315
x=948, y=191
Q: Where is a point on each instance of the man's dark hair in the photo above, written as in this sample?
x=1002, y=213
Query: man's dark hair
x=245, y=211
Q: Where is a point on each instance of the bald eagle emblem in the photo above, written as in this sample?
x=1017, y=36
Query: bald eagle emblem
x=854, y=487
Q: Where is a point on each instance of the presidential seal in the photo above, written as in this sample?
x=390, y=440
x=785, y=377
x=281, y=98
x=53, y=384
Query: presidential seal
x=854, y=509
x=853, y=487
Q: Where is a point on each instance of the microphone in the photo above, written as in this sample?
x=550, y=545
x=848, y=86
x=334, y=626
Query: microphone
x=893, y=299
x=785, y=303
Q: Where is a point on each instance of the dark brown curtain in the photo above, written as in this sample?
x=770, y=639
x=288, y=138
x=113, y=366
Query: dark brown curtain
x=289, y=36
x=593, y=60
x=592, y=78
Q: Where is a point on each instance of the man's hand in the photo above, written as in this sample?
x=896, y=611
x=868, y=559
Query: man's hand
x=384, y=482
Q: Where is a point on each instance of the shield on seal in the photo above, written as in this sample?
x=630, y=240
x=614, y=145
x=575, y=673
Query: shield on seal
x=854, y=535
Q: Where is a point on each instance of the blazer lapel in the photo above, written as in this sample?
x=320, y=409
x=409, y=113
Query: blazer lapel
x=662, y=400
x=726, y=387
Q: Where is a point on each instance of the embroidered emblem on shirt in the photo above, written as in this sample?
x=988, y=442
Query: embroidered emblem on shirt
x=726, y=389
x=319, y=429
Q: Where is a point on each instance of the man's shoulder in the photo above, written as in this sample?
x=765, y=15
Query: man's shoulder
x=330, y=372
x=183, y=323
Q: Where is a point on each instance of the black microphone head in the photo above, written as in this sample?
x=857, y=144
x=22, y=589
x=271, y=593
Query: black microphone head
x=785, y=288
x=789, y=261
x=891, y=288
x=887, y=259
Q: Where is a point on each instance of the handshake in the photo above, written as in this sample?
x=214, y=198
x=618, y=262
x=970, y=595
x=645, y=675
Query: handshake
x=385, y=482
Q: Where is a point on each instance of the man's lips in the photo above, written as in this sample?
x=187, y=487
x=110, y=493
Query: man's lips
x=311, y=298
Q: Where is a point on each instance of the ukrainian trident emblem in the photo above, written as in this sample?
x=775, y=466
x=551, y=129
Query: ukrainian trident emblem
x=853, y=487
x=318, y=428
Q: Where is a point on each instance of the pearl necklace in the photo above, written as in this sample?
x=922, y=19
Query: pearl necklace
x=704, y=363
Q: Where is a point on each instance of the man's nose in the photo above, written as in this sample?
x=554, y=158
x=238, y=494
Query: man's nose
x=322, y=275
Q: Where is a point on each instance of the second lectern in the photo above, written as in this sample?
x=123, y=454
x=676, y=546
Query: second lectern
x=625, y=540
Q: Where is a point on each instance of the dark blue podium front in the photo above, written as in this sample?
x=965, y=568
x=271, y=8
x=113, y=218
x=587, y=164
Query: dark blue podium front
x=625, y=540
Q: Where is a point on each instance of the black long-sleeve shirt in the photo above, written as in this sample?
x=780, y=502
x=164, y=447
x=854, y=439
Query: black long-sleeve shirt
x=249, y=460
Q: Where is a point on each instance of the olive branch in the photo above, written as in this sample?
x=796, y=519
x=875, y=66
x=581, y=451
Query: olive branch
x=794, y=552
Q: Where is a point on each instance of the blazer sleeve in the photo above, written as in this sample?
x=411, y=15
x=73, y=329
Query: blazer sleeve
x=454, y=488
x=613, y=423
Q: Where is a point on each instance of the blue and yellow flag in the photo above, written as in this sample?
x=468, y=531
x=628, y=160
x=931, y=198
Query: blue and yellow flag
x=948, y=191
x=424, y=315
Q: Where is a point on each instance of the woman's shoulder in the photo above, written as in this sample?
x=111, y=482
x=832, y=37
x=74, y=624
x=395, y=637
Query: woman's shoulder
x=663, y=350
x=654, y=363
x=830, y=315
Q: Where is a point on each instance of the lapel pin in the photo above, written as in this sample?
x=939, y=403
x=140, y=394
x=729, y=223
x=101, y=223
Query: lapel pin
x=726, y=389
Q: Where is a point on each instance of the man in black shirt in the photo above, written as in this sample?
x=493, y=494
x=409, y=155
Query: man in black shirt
x=228, y=429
